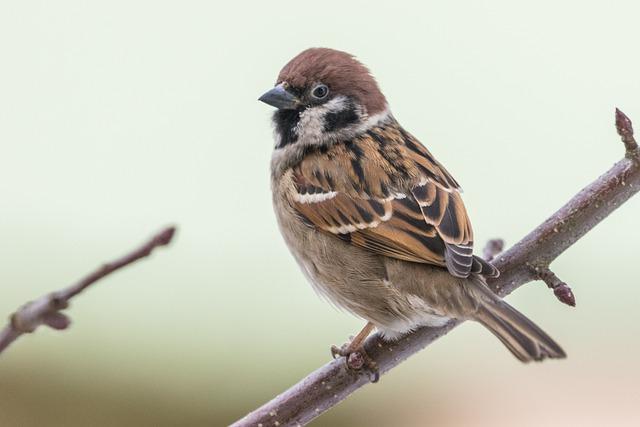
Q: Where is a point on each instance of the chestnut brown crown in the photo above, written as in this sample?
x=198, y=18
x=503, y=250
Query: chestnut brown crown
x=340, y=71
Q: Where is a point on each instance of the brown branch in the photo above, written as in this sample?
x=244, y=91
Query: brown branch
x=333, y=382
x=46, y=309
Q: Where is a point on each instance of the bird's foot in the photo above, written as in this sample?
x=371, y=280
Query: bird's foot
x=357, y=359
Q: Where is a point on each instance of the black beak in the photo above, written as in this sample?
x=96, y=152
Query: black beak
x=280, y=98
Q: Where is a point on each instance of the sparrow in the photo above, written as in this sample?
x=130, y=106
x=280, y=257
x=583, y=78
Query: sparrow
x=376, y=223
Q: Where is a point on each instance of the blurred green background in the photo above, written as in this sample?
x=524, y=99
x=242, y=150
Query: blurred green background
x=119, y=117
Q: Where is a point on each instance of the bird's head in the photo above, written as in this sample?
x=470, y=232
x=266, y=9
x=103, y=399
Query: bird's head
x=324, y=96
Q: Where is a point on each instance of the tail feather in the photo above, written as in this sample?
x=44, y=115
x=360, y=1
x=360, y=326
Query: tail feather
x=521, y=346
x=519, y=334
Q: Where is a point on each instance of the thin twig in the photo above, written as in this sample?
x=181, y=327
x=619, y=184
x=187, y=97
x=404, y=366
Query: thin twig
x=561, y=290
x=46, y=309
x=492, y=249
x=625, y=130
x=333, y=382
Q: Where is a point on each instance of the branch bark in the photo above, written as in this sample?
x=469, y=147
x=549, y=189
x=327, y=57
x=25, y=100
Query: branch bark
x=522, y=263
x=46, y=310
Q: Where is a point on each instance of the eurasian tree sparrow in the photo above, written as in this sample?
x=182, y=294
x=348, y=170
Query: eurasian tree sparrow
x=375, y=222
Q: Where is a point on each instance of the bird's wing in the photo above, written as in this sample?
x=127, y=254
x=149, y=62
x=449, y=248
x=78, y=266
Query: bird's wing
x=384, y=192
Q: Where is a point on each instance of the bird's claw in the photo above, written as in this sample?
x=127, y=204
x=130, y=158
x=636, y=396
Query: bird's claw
x=357, y=360
x=339, y=351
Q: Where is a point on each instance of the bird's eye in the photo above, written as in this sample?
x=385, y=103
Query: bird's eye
x=320, y=92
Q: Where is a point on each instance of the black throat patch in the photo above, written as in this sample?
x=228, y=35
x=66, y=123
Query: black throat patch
x=286, y=122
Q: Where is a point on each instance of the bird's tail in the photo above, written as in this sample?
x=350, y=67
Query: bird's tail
x=520, y=335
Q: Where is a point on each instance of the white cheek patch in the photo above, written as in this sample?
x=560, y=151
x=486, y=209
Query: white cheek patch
x=336, y=104
x=310, y=127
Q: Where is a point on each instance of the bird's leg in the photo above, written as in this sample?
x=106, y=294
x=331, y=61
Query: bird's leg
x=354, y=353
x=355, y=344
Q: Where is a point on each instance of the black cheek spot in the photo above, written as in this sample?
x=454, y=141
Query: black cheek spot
x=340, y=119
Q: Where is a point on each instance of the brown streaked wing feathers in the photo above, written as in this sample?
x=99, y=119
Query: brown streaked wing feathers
x=408, y=207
